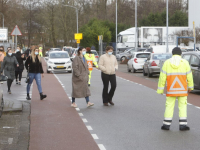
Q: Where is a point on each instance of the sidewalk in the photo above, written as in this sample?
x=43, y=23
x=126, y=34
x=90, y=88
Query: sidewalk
x=54, y=124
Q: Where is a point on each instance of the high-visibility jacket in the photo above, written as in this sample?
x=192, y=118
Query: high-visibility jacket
x=178, y=75
x=90, y=60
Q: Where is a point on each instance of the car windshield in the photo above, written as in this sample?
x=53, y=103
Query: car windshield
x=59, y=55
x=95, y=53
x=190, y=49
x=143, y=55
x=161, y=56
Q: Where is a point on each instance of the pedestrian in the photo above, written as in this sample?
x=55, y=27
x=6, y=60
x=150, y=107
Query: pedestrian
x=1, y=56
x=90, y=61
x=177, y=73
x=8, y=66
x=108, y=66
x=18, y=70
x=80, y=78
x=40, y=52
x=34, y=68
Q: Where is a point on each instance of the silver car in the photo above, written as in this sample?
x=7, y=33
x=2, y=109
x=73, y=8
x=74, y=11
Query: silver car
x=152, y=64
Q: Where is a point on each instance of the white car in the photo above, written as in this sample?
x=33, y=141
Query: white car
x=137, y=61
x=96, y=55
x=59, y=61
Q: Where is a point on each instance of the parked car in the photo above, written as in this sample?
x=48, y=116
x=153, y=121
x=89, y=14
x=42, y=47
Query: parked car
x=52, y=49
x=128, y=53
x=59, y=61
x=152, y=64
x=69, y=50
x=137, y=61
x=74, y=53
x=194, y=60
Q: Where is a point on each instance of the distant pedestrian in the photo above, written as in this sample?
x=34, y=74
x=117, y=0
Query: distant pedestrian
x=108, y=65
x=18, y=70
x=8, y=66
x=1, y=57
x=40, y=52
x=80, y=78
x=176, y=72
x=34, y=68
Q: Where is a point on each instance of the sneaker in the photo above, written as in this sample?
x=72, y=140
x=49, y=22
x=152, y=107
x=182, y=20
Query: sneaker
x=9, y=91
x=90, y=104
x=165, y=127
x=19, y=83
x=16, y=82
x=28, y=98
x=74, y=105
x=184, y=128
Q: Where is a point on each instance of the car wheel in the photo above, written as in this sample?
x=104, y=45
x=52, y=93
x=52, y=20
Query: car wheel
x=144, y=73
x=123, y=58
x=149, y=74
x=128, y=69
x=134, y=71
x=48, y=71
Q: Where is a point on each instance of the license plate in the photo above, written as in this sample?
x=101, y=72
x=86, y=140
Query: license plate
x=60, y=67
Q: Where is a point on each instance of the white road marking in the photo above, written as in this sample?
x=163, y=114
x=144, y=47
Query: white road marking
x=84, y=120
x=77, y=109
x=198, y=107
x=89, y=128
x=10, y=140
x=95, y=136
x=7, y=127
x=70, y=97
x=189, y=104
x=80, y=114
x=101, y=147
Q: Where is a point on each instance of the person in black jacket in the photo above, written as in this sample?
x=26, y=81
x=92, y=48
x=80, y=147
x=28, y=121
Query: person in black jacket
x=18, y=70
x=33, y=65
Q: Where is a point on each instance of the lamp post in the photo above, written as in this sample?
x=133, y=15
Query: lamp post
x=3, y=23
x=116, y=28
x=76, y=17
x=135, y=24
x=167, y=19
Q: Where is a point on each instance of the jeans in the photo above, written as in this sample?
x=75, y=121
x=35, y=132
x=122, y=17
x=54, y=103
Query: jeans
x=18, y=73
x=37, y=77
x=107, y=96
x=87, y=99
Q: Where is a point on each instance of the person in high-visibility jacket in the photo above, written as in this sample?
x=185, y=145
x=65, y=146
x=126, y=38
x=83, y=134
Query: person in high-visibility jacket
x=178, y=75
x=40, y=52
x=90, y=61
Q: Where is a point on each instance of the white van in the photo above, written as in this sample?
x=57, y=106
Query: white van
x=163, y=48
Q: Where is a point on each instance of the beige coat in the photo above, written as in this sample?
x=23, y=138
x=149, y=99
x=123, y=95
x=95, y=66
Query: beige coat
x=108, y=64
x=80, y=78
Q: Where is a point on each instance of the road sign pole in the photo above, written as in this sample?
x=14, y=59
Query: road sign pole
x=167, y=19
x=135, y=24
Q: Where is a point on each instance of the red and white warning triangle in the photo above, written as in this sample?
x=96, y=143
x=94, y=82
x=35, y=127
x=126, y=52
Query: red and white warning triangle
x=16, y=31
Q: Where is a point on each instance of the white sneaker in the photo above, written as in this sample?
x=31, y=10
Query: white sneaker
x=90, y=104
x=74, y=105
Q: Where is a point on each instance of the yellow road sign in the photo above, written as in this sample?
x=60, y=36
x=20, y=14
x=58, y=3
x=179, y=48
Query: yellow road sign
x=100, y=37
x=78, y=36
x=78, y=41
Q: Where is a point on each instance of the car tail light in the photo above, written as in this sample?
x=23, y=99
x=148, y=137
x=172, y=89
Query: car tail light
x=135, y=60
x=153, y=63
x=96, y=56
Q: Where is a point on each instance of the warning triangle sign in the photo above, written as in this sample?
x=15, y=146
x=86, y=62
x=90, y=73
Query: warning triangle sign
x=177, y=85
x=16, y=31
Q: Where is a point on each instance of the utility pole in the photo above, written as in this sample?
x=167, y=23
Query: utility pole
x=135, y=24
x=3, y=22
x=167, y=19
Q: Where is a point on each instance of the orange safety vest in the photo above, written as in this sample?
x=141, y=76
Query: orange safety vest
x=177, y=84
x=90, y=63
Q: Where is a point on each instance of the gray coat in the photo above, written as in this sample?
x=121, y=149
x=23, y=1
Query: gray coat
x=80, y=78
x=8, y=66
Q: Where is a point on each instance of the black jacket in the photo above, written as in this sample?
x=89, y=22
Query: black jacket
x=33, y=67
x=20, y=60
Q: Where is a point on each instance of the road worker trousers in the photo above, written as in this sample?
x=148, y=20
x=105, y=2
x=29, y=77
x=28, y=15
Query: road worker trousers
x=90, y=76
x=182, y=105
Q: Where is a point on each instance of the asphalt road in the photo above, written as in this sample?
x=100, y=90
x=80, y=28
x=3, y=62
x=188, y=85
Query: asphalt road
x=135, y=120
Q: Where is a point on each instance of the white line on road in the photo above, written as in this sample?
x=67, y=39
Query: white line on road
x=84, y=120
x=89, y=128
x=80, y=114
x=7, y=127
x=198, y=107
x=77, y=109
x=189, y=104
x=101, y=147
x=95, y=136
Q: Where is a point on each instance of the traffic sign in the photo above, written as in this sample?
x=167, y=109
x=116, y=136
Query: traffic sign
x=3, y=34
x=78, y=36
x=16, y=31
x=100, y=37
x=78, y=41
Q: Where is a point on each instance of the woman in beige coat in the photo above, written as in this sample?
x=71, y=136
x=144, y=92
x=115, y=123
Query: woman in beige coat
x=80, y=78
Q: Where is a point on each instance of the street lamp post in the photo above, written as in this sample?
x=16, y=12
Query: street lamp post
x=76, y=17
x=135, y=24
x=116, y=28
x=167, y=19
x=3, y=23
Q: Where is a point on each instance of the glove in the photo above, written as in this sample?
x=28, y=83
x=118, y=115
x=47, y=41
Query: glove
x=160, y=91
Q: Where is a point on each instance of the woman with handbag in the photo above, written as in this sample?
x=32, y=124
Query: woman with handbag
x=80, y=78
x=8, y=66
x=18, y=70
x=34, y=68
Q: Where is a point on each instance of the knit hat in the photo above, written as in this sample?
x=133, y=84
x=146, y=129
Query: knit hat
x=176, y=51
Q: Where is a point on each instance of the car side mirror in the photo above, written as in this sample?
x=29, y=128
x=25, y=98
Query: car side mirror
x=194, y=65
x=148, y=58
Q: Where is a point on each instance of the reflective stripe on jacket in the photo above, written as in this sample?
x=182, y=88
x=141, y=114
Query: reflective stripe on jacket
x=177, y=73
x=90, y=60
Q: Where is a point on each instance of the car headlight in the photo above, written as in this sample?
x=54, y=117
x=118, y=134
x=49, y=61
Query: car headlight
x=50, y=62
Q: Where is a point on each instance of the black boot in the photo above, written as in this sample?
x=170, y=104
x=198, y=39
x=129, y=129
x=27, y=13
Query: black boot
x=42, y=96
x=165, y=127
x=184, y=128
x=28, y=97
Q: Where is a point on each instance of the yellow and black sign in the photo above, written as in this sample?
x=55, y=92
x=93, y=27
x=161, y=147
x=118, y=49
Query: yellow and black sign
x=78, y=41
x=78, y=36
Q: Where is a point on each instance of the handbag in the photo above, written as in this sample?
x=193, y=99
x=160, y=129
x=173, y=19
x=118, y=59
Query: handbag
x=3, y=78
x=27, y=78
